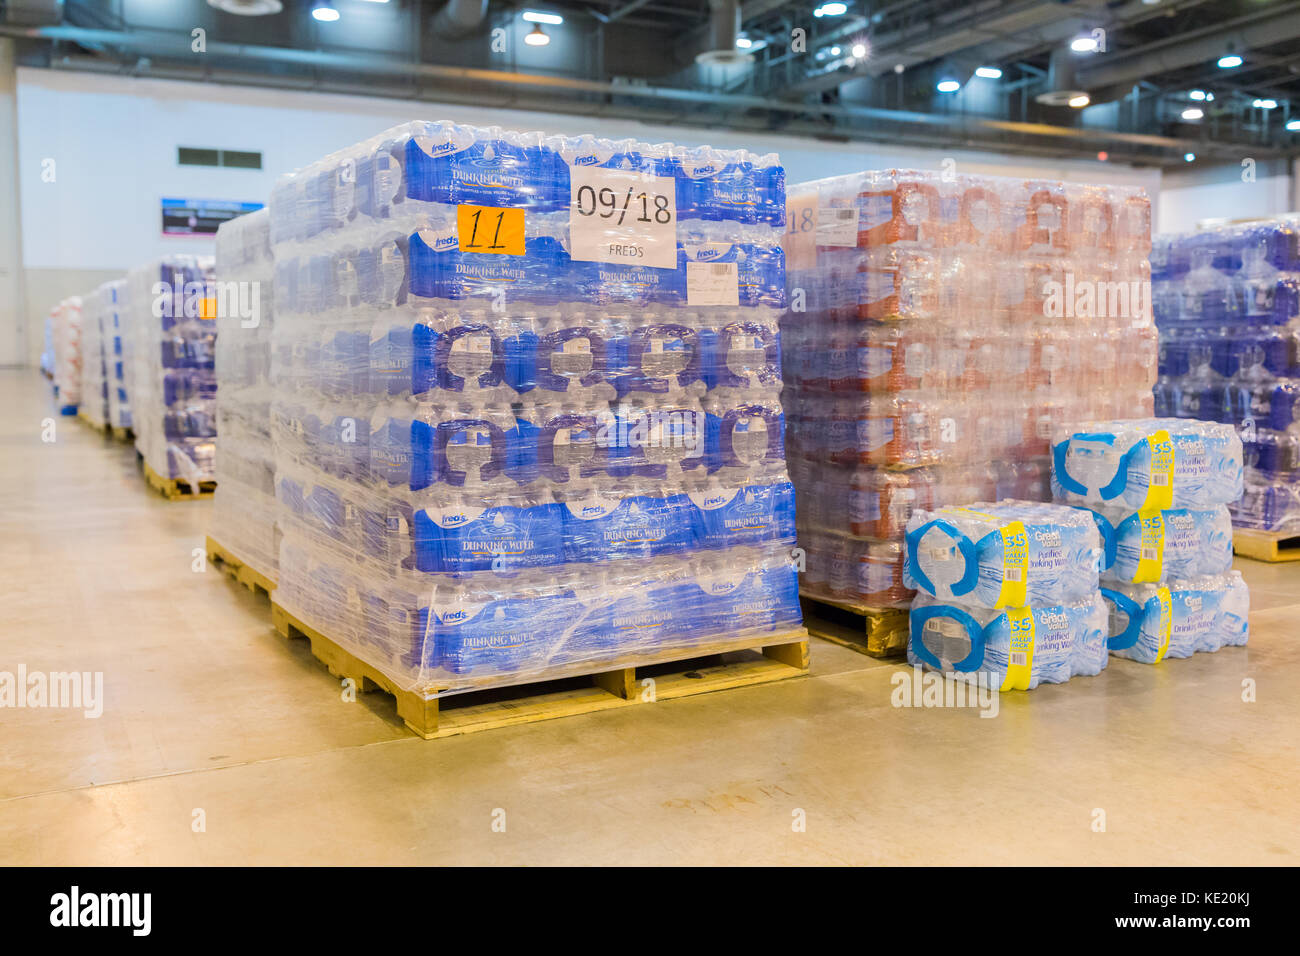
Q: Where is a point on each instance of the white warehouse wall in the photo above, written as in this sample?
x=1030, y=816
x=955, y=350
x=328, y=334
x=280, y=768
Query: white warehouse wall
x=1219, y=192
x=113, y=141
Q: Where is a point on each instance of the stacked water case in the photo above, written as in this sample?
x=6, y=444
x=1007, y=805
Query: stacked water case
x=94, y=365
x=174, y=386
x=1007, y=592
x=1227, y=302
x=113, y=303
x=526, y=404
x=939, y=328
x=1158, y=491
x=66, y=317
x=243, y=520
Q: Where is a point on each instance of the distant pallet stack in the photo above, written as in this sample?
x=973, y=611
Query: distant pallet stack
x=243, y=515
x=172, y=332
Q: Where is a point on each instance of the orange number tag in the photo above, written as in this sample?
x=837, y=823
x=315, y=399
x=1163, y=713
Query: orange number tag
x=490, y=229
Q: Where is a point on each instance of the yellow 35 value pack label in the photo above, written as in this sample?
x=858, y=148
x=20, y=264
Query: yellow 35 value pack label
x=1166, y=621
x=1020, y=658
x=1160, y=492
x=1152, y=548
x=1015, y=565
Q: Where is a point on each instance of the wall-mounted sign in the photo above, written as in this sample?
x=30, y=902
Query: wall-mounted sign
x=200, y=217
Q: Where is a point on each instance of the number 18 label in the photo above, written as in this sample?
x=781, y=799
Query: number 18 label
x=621, y=216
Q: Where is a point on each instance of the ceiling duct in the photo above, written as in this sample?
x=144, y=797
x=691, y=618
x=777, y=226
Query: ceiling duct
x=720, y=40
x=33, y=13
x=460, y=18
x=248, y=8
x=1062, y=84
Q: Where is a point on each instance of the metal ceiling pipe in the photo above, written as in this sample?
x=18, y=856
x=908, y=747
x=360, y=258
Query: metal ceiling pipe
x=1062, y=81
x=460, y=18
x=720, y=37
x=1256, y=30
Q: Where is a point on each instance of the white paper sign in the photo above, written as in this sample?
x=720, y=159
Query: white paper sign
x=621, y=216
x=837, y=226
x=712, y=283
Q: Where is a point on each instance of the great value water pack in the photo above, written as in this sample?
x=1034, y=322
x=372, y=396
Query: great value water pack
x=1018, y=648
x=1141, y=464
x=244, y=511
x=1149, y=623
x=1008, y=554
x=1227, y=303
x=940, y=328
x=1160, y=543
x=171, y=340
x=526, y=402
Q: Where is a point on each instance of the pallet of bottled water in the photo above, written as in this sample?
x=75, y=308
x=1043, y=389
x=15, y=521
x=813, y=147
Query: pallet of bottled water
x=172, y=334
x=1227, y=303
x=94, y=361
x=243, y=512
x=1158, y=491
x=66, y=321
x=113, y=319
x=939, y=328
x=526, y=404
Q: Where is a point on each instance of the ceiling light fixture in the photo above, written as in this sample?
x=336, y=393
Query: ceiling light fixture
x=1193, y=114
x=536, y=16
x=859, y=50
x=1189, y=157
x=1197, y=94
x=1229, y=61
x=988, y=72
x=948, y=85
x=324, y=11
x=1084, y=44
x=1293, y=125
x=831, y=10
x=537, y=36
x=1080, y=101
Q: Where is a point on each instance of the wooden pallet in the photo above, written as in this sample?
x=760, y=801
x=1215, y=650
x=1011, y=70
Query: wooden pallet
x=85, y=420
x=1273, y=546
x=470, y=712
x=249, y=577
x=177, y=489
x=874, y=631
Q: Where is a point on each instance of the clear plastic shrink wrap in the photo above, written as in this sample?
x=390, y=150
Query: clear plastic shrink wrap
x=1227, y=303
x=526, y=408
x=172, y=343
x=244, y=511
x=940, y=327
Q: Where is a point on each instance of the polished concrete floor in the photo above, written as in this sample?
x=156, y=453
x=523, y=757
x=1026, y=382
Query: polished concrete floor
x=220, y=743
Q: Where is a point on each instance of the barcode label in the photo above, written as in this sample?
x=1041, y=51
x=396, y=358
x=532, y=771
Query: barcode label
x=712, y=283
x=1019, y=658
x=1011, y=574
x=1150, y=554
x=837, y=226
x=940, y=554
x=1160, y=479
